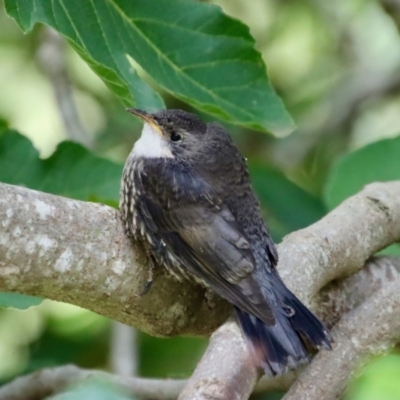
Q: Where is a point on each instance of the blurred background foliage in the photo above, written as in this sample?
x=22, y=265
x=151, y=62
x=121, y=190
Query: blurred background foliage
x=336, y=65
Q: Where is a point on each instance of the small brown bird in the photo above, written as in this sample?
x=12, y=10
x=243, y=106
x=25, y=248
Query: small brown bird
x=186, y=194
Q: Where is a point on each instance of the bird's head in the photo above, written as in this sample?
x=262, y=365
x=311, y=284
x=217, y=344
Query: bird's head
x=169, y=134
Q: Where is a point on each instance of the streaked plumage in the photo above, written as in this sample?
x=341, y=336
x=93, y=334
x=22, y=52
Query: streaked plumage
x=191, y=204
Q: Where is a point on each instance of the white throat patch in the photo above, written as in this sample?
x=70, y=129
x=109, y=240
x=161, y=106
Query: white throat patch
x=151, y=144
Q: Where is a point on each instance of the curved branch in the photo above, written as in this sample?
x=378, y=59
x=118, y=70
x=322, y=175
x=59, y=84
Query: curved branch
x=370, y=329
x=334, y=247
x=52, y=60
x=48, y=381
x=339, y=244
x=341, y=296
x=223, y=345
x=77, y=252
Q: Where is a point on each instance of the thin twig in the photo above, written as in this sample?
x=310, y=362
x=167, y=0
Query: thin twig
x=52, y=380
x=51, y=57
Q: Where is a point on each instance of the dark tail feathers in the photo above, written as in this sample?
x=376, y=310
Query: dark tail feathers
x=279, y=347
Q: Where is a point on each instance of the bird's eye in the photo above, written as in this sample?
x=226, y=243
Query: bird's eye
x=175, y=137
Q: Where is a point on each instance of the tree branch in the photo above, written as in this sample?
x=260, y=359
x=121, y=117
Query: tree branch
x=336, y=246
x=52, y=59
x=123, y=350
x=371, y=329
x=340, y=243
x=51, y=380
x=77, y=252
x=377, y=274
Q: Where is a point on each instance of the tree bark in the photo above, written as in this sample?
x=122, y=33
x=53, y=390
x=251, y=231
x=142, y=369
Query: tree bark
x=334, y=247
x=77, y=252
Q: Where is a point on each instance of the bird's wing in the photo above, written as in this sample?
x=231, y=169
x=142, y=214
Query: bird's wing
x=210, y=244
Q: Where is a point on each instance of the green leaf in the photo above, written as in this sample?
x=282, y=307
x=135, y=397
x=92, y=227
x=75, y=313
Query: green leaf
x=3, y=123
x=289, y=207
x=158, y=357
x=189, y=48
x=71, y=171
x=17, y=300
x=379, y=381
x=97, y=43
x=378, y=161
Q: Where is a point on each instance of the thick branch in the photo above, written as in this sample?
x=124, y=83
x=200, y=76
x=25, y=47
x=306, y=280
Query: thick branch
x=77, y=252
x=340, y=243
x=341, y=296
x=334, y=247
x=376, y=275
x=225, y=370
x=370, y=329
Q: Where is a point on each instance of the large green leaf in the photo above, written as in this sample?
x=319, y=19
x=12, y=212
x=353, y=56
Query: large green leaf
x=71, y=171
x=289, y=207
x=97, y=43
x=189, y=48
x=378, y=161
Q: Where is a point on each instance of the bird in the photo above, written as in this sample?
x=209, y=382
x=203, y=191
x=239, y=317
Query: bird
x=186, y=197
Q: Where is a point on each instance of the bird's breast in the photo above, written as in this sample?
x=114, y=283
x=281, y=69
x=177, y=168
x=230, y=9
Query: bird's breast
x=132, y=211
x=131, y=189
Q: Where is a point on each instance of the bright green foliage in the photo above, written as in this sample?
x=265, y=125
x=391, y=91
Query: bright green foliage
x=189, y=48
x=158, y=356
x=71, y=171
x=380, y=381
x=17, y=300
x=378, y=161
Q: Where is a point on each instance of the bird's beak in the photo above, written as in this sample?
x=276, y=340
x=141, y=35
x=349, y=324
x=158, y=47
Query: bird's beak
x=146, y=117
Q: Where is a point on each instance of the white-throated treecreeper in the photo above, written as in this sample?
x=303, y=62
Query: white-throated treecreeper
x=186, y=195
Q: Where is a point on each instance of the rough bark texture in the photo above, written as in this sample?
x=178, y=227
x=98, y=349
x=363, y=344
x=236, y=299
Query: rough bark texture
x=336, y=246
x=77, y=252
x=234, y=368
x=371, y=329
x=339, y=244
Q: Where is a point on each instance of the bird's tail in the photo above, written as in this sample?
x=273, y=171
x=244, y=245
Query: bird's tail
x=281, y=346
